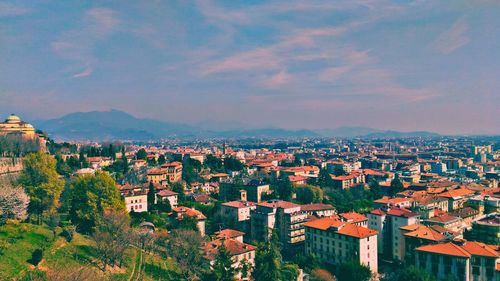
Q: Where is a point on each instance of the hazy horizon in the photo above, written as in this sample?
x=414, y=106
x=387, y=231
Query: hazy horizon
x=390, y=65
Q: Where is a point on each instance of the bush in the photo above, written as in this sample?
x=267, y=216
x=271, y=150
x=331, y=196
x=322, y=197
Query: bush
x=68, y=233
x=36, y=257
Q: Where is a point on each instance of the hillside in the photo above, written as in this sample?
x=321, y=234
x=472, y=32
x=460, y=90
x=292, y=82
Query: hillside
x=63, y=259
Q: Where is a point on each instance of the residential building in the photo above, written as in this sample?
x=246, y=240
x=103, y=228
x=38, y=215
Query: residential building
x=180, y=212
x=464, y=260
x=136, y=201
x=486, y=229
x=338, y=242
x=236, y=214
x=387, y=222
x=319, y=210
x=285, y=216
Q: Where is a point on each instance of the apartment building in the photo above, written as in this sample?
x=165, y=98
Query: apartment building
x=181, y=212
x=286, y=217
x=388, y=221
x=337, y=242
x=464, y=260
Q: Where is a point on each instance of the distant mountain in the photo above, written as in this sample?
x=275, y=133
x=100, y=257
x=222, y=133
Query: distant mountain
x=119, y=125
x=397, y=134
x=347, y=132
x=110, y=125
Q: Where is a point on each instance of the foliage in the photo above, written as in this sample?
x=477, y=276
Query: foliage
x=289, y=271
x=36, y=257
x=184, y=247
x=68, y=233
x=222, y=269
x=355, y=199
x=410, y=273
x=190, y=170
x=321, y=275
x=284, y=189
x=307, y=194
x=213, y=163
x=396, y=186
x=13, y=203
x=268, y=261
x=232, y=164
x=353, y=271
x=141, y=154
x=41, y=182
x=112, y=237
x=307, y=262
x=90, y=196
x=17, y=146
x=325, y=179
x=151, y=197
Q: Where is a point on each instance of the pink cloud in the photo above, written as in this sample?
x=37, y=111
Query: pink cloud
x=453, y=38
x=278, y=79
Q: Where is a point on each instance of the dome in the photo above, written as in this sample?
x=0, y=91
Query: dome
x=13, y=119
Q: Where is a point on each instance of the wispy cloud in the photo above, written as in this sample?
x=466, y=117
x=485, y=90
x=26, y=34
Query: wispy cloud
x=453, y=38
x=78, y=45
x=8, y=10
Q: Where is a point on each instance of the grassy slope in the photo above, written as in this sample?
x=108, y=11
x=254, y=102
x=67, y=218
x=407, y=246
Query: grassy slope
x=22, y=239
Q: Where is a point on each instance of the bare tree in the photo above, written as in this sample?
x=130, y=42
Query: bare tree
x=185, y=247
x=13, y=202
x=112, y=238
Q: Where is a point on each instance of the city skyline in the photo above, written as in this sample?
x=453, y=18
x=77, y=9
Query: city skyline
x=406, y=65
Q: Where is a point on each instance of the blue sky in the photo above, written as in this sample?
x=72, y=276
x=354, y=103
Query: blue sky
x=405, y=65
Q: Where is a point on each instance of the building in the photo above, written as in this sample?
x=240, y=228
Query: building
x=239, y=252
x=486, y=229
x=236, y=214
x=136, y=201
x=457, y=198
x=13, y=125
x=354, y=218
x=338, y=242
x=169, y=195
x=286, y=217
x=319, y=210
x=173, y=171
x=466, y=261
x=387, y=222
x=348, y=181
x=417, y=235
x=180, y=212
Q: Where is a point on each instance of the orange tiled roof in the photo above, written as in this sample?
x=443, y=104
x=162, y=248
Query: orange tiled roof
x=449, y=249
x=480, y=249
x=233, y=247
x=239, y=204
x=456, y=193
x=424, y=232
x=353, y=216
x=229, y=233
x=344, y=228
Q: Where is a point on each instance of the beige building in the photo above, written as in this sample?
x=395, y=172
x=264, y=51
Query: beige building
x=338, y=242
x=136, y=201
x=14, y=125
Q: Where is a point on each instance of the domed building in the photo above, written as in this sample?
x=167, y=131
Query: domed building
x=14, y=125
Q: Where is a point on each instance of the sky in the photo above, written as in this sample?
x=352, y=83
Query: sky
x=401, y=65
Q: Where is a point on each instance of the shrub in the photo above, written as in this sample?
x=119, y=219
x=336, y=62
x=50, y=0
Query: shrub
x=36, y=257
x=68, y=233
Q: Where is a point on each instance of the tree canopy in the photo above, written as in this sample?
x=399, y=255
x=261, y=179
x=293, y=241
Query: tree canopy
x=90, y=196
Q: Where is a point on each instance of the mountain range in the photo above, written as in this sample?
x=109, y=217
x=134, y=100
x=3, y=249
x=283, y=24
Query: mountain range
x=119, y=125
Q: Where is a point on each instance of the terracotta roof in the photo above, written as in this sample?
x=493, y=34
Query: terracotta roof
x=229, y=233
x=378, y=212
x=189, y=212
x=344, y=228
x=449, y=249
x=444, y=218
x=480, y=249
x=233, y=247
x=424, y=232
x=401, y=212
x=316, y=207
x=456, y=193
x=279, y=204
x=239, y=204
x=353, y=216
x=165, y=193
x=296, y=178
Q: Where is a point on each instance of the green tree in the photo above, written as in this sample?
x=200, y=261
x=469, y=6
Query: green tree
x=268, y=260
x=339, y=171
x=285, y=189
x=309, y=194
x=222, y=268
x=410, y=273
x=325, y=179
x=353, y=271
x=396, y=186
x=162, y=160
x=141, y=154
x=42, y=183
x=151, y=197
x=232, y=164
x=290, y=271
x=375, y=189
x=90, y=196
